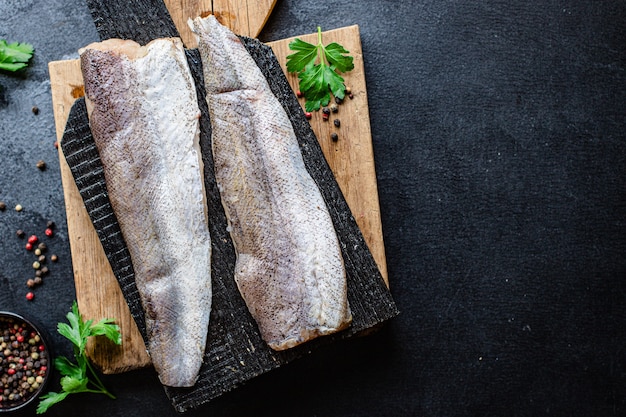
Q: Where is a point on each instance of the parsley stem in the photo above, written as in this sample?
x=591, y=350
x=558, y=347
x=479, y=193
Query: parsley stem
x=99, y=383
x=320, y=47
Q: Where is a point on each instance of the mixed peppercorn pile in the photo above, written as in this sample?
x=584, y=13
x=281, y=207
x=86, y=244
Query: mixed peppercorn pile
x=23, y=362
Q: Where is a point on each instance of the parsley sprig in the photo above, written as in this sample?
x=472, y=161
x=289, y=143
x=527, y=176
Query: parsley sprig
x=317, y=67
x=76, y=376
x=14, y=56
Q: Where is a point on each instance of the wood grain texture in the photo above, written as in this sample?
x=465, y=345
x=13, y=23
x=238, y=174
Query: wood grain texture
x=244, y=17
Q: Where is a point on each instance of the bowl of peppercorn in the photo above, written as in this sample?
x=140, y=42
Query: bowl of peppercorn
x=25, y=362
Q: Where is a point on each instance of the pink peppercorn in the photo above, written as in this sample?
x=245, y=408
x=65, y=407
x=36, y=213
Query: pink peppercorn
x=48, y=232
x=30, y=295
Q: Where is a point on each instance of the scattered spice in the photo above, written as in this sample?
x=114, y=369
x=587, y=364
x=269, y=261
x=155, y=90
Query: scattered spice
x=334, y=137
x=337, y=123
x=30, y=295
x=19, y=207
x=348, y=90
x=54, y=258
x=41, y=165
x=20, y=233
x=35, y=110
x=33, y=239
x=30, y=283
x=50, y=224
x=42, y=246
x=49, y=232
x=3, y=206
x=326, y=110
x=299, y=94
x=308, y=115
x=29, y=246
x=36, y=265
x=334, y=108
x=338, y=100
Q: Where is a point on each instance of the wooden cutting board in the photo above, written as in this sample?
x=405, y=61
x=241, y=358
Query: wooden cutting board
x=350, y=158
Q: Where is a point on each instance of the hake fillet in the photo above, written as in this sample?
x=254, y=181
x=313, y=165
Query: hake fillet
x=289, y=267
x=143, y=113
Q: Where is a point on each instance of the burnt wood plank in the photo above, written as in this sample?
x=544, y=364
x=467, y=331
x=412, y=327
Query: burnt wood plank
x=139, y=20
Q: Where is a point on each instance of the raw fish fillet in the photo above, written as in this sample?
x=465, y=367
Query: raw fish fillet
x=289, y=267
x=143, y=113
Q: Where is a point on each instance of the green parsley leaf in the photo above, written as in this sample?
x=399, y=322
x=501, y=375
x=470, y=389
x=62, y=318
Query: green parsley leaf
x=14, y=56
x=67, y=368
x=317, y=67
x=49, y=400
x=107, y=328
x=80, y=376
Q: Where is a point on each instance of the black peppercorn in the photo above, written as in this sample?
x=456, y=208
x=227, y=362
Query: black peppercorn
x=336, y=122
x=334, y=137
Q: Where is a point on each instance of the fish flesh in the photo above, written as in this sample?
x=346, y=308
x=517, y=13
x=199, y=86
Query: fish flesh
x=144, y=117
x=289, y=268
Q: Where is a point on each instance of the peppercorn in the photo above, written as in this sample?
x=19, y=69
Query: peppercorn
x=33, y=239
x=348, y=90
x=56, y=144
x=3, y=206
x=19, y=207
x=49, y=232
x=29, y=246
x=30, y=283
x=336, y=122
x=338, y=100
x=308, y=115
x=351, y=96
x=42, y=258
x=20, y=233
x=30, y=295
x=50, y=224
x=334, y=137
x=35, y=110
x=41, y=165
x=36, y=265
x=54, y=258
x=37, y=251
x=299, y=94
x=37, y=280
x=42, y=246
x=20, y=375
x=334, y=108
x=326, y=110
x=44, y=270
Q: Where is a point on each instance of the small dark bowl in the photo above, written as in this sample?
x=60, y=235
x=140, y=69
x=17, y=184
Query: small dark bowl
x=34, y=341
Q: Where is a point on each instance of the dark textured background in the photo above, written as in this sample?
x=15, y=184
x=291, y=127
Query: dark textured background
x=500, y=145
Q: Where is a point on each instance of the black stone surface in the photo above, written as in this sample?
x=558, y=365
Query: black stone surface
x=500, y=150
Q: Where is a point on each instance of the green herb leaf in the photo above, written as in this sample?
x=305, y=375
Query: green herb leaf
x=74, y=385
x=107, y=328
x=335, y=55
x=76, y=376
x=317, y=67
x=67, y=368
x=306, y=54
x=14, y=56
x=49, y=400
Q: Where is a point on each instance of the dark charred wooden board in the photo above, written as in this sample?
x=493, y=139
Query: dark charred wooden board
x=235, y=352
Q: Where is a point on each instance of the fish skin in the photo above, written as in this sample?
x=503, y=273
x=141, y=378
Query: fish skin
x=144, y=120
x=289, y=267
